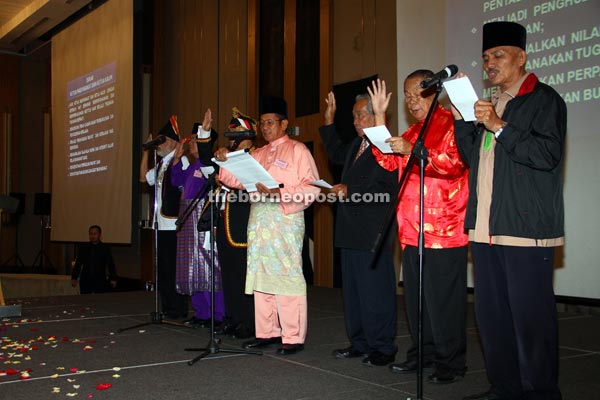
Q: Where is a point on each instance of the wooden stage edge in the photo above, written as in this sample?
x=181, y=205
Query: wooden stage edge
x=17, y=286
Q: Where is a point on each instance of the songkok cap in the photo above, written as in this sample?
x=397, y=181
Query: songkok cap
x=273, y=105
x=504, y=33
x=241, y=122
x=170, y=129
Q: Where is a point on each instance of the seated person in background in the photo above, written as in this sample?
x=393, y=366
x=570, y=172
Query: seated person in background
x=94, y=265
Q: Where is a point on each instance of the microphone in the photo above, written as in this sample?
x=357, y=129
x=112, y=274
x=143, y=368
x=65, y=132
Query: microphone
x=447, y=72
x=155, y=142
x=240, y=135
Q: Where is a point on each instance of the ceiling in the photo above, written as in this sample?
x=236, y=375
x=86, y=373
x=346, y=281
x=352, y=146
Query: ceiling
x=23, y=23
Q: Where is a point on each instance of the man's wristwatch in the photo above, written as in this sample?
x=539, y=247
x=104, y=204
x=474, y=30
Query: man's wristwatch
x=499, y=131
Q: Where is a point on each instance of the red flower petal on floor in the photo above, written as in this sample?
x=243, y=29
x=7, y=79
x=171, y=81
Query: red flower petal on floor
x=73, y=370
x=11, y=371
x=103, y=386
x=65, y=339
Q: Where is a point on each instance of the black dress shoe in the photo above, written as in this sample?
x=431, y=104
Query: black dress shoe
x=196, y=322
x=348, y=352
x=225, y=329
x=290, y=348
x=378, y=359
x=443, y=375
x=242, y=331
x=489, y=395
x=261, y=342
x=175, y=316
x=409, y=367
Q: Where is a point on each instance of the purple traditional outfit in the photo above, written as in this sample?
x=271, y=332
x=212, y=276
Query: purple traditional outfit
x=193, y=271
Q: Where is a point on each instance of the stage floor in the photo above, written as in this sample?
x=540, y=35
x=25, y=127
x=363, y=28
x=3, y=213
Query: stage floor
x=69, y=347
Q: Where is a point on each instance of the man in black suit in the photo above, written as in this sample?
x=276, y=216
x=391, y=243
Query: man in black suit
x=94, y=266
x=368, y=279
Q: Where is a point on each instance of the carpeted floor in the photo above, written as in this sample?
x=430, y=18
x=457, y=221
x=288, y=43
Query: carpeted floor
x=70, y=347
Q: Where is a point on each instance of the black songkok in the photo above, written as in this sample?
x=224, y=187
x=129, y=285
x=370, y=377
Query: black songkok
x=273, y=105
x=503, y=33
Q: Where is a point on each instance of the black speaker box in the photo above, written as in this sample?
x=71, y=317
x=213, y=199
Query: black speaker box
x=41, y=204
x=21, y=207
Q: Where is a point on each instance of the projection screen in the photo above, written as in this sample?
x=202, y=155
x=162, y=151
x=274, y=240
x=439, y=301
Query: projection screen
x=92, y=125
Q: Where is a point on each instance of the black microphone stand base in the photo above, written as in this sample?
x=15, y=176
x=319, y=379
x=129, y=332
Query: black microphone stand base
x=213, y=344
x=213, y=348
x=155, y=318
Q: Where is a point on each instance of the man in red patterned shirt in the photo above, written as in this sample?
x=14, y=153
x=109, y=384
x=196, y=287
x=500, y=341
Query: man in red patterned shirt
x=445, y=253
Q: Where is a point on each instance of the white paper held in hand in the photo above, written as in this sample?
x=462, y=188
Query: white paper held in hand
x=463, y=96
x=377, y=136
x=207, y=171
x=247, y=170
x=321, y=183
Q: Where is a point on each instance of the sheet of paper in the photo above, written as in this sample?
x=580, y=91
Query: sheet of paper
x=321, y=183
x=463, y=96
x=247, y=170
x=207, y=171
x=377, y=135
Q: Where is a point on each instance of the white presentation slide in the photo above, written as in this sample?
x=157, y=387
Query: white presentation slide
x=90, y=103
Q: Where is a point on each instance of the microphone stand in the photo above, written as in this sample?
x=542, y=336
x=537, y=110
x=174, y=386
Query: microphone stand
x=155, y=316
x=213, y=344
x=419, y=152
x=192, y=205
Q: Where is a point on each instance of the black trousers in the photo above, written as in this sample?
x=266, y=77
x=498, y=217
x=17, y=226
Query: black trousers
x=516, y=314
x=93, y=284
x=444, y=305
x=239, y=307
x=369, y=300
x=173, y=304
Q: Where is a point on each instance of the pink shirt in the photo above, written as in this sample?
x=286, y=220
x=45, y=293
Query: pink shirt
x=290, y=163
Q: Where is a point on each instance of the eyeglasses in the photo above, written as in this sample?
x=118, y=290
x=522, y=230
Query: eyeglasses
x=408, y=97
x=268, y=122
